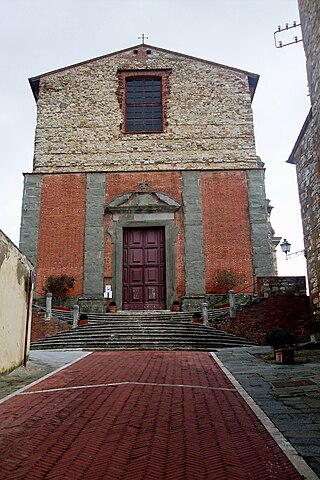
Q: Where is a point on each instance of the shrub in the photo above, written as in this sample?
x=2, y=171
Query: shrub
x=58, y=284
x=279, y=337
x=225, y=280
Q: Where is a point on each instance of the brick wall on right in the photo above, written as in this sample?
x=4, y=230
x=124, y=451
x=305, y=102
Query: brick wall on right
x=290, y=312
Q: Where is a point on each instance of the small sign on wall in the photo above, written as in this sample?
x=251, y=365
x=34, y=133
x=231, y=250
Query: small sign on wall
x=107, y=291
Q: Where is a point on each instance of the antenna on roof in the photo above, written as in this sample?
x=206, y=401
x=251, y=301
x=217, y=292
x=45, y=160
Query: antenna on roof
x=142, y=38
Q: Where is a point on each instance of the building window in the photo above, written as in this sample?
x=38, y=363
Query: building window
x=143, y=98
x=143, y=104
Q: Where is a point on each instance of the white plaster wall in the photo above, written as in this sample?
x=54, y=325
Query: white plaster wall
x=14, y=280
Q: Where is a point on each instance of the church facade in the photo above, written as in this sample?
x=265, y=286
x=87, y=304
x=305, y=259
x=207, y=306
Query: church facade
x=146, y=181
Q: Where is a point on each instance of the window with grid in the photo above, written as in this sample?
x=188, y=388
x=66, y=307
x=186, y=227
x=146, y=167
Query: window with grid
x=143, y=104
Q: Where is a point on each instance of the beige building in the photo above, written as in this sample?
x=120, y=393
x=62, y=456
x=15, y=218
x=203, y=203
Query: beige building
x=15, y=305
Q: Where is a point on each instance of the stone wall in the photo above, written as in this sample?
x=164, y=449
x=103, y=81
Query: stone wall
x=208, y=119
x=307, y=158
x=281, y=286
x=307, y=168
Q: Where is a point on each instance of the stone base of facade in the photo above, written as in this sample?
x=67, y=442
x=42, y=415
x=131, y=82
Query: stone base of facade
x=68, y=302
x=92, y=305
x=86, y=304
x=192, y=303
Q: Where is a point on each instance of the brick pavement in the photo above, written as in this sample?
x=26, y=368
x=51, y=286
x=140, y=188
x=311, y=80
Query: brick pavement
x=137, y=416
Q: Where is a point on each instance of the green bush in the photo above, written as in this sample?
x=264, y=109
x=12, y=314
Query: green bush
x=58, y=284
x=280, y=338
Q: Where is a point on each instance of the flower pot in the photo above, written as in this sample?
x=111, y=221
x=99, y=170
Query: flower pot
x=197, y=318
x=285, y=355
x=83, y=320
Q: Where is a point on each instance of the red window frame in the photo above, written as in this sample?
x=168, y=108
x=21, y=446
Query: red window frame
x=163, y=75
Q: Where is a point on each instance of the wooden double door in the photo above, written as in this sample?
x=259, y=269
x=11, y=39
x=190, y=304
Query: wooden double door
x=144, y=276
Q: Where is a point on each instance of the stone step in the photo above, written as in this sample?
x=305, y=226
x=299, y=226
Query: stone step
x=135, y=344
x=144, y=331
x=138, y=338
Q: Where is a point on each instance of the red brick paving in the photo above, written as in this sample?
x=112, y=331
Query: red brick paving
x=137, y=431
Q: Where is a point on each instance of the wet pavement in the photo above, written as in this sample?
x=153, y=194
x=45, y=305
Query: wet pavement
x=40, y=363
x=288, y=394
x=160, y=415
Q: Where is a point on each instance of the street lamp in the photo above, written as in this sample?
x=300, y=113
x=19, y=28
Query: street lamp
x=285, y=247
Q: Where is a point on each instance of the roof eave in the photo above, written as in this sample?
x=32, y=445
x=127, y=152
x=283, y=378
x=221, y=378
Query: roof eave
x=253, y=78
x=292, y=156
x=34, y=84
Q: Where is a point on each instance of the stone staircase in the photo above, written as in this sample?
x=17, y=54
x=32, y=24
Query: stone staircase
x=142, y=331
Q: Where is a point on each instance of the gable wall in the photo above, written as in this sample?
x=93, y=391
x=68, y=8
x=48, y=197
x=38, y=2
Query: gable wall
x=209, y=118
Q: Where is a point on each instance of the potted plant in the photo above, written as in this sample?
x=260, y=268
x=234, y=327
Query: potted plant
x=197, y=317
x=282, y=343
x=112, y=307
x=175, y=306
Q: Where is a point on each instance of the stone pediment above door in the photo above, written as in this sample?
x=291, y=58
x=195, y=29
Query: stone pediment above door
x=143, y=202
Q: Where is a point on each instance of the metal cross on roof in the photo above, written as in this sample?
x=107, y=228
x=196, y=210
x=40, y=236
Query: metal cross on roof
x=142, y=38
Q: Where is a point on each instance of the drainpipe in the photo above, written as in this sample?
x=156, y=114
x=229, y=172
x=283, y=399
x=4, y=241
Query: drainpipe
x=29, y=306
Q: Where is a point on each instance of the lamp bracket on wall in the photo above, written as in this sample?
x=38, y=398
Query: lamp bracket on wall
x=280, y=43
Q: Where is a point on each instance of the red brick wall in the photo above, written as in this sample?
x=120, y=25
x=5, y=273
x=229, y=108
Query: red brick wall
x=61, y=231
x=41, y=328
x=227, y=243
x=290, y=313
x=169, y=183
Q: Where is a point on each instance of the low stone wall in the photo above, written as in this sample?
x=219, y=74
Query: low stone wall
x=291, y=313
x=281, y=286
x=41, y=328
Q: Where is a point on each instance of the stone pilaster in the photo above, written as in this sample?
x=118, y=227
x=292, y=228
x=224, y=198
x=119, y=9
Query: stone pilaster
x=30, y=217
x=194, y=249
x=94, y=236
x=259, y=230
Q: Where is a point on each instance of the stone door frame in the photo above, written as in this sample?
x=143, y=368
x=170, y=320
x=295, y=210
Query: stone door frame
x=143, y=210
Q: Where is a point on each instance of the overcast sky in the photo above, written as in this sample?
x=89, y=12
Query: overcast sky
x=37, y=36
